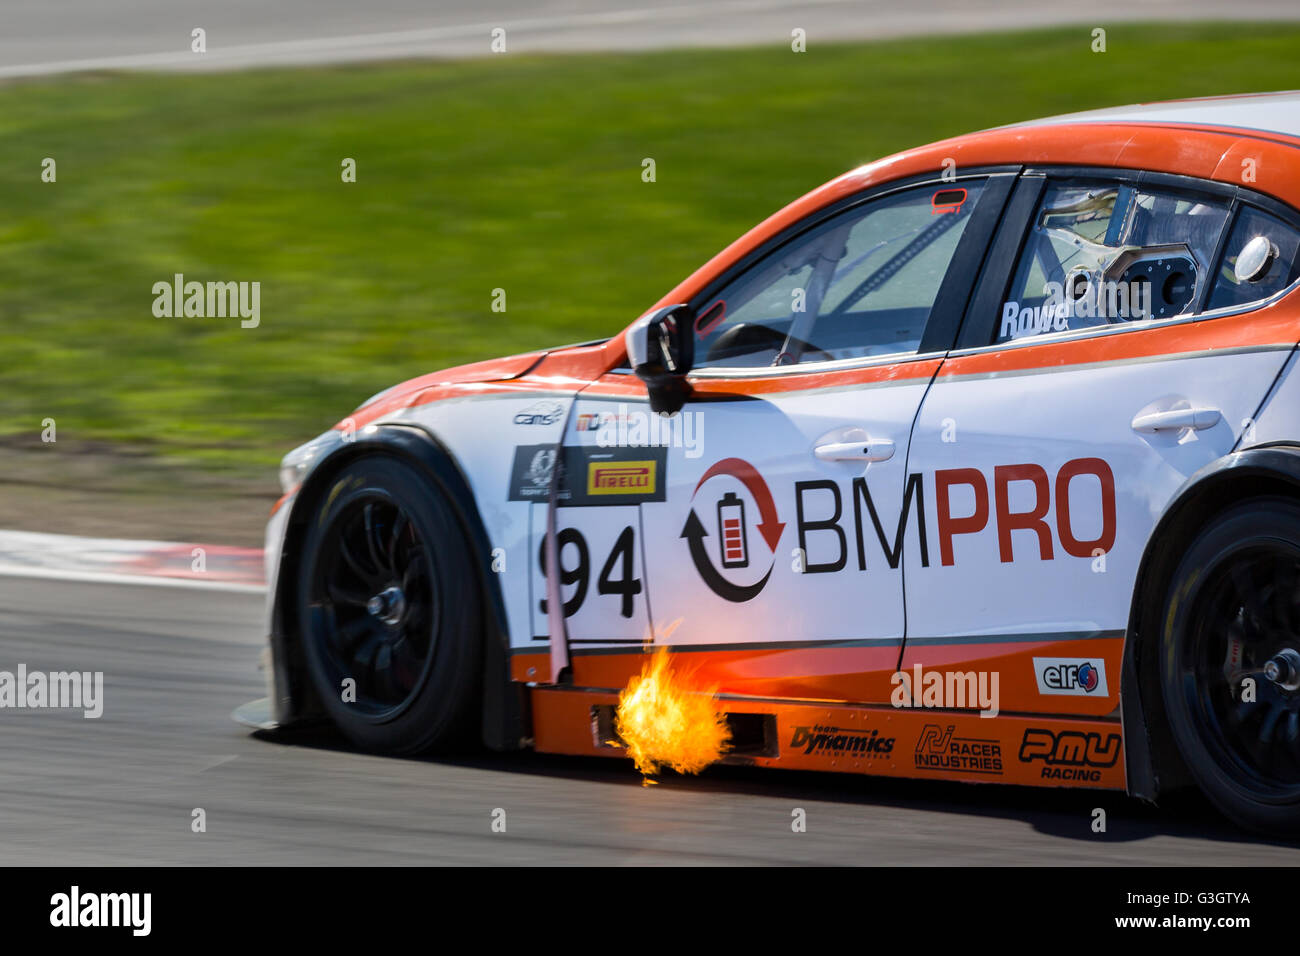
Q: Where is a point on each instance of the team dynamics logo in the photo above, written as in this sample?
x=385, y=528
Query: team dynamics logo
x=1071, y=754
x=938, y=749
x=734, y=548
x=839, y=742
x=1070, y=676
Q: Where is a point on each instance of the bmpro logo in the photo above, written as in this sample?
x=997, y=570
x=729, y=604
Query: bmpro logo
x=1074, y=676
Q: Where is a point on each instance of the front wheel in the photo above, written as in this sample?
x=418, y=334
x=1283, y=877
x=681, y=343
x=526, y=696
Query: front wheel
x=390, y=611
x=1230, y=663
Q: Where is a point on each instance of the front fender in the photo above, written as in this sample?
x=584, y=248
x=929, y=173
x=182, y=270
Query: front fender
x=293, y=699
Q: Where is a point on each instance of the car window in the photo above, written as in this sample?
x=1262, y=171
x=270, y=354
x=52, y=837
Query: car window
x=1270, y=263
x=1106, y=253
x=858, y=285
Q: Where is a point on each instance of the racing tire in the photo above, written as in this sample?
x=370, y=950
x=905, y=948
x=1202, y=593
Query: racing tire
x=388, y=600
x=1230, y=663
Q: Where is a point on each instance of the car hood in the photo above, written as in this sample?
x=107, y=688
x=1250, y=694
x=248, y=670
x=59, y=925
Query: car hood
x=491, y=370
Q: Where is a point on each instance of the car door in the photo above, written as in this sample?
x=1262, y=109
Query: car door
x=1107, y=356
x=777, y=543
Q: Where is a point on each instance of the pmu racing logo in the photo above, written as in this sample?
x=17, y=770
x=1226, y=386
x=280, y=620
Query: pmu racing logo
x=839, y=742
x=1074, y=676
x=728, y=513
x=939, y=749
x=1070, y=754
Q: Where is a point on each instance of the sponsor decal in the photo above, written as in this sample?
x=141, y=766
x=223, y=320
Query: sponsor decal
x=731, y=530
x=948, y=690
x=825, y=538
x=840, y=742
x=620, y=477
x=613, y=477
x=732, y=536
x=540, y=413
x=1074, y=676
x=530, y=476
x=939, y=749
x=641, y=428
x=835, y=524
x=947, y=201
x=1070, y=754
x=1089, y=298
x=593, y=421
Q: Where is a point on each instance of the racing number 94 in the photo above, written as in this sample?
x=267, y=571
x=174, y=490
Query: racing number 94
x=626, y=586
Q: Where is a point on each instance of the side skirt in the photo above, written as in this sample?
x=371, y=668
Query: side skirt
x=881, y=741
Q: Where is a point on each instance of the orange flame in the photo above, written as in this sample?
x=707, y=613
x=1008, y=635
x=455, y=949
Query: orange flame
x=665, y=722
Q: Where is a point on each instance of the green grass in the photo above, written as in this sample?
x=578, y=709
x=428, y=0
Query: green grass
x=522, y=173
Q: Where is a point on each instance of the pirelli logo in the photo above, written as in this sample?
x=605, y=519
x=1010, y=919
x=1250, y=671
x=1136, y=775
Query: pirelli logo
x=589, y=477
x=622, y=477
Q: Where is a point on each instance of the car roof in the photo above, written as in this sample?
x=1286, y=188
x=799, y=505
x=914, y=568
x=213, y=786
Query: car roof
x=1269, y=112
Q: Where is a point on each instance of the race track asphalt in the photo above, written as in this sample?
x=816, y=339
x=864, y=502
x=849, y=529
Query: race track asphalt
x=122, y=789
x=39, y=38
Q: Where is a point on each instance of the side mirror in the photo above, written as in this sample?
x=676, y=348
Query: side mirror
x=661, y=349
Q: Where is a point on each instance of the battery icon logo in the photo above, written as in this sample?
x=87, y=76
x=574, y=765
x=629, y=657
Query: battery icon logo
x=731, y=531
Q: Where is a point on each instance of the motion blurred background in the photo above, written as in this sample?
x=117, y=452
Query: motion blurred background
x=476, y=171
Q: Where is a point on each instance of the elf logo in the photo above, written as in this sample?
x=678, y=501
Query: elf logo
x=1072, y=676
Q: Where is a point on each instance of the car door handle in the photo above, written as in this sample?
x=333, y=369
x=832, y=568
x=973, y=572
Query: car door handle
x=1177, y=419
x=870, y=449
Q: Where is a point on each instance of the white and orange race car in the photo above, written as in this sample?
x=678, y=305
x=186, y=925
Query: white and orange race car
x=980, y=462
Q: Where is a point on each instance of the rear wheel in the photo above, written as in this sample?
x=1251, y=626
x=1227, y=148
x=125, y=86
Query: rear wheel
x=1230, y=663
x=389, y=610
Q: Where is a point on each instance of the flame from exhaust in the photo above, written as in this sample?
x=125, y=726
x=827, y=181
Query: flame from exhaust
x=665, y=722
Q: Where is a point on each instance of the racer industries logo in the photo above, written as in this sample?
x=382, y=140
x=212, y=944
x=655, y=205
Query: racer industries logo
x=938, y=749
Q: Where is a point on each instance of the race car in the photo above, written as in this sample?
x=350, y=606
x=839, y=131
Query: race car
x=980, y=462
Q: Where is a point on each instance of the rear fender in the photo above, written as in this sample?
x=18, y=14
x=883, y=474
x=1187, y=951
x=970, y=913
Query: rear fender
x=1153, y=762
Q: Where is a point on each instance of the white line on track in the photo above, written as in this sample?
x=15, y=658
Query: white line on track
x=146, y=580
x=60, y=557
x=395, y=43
